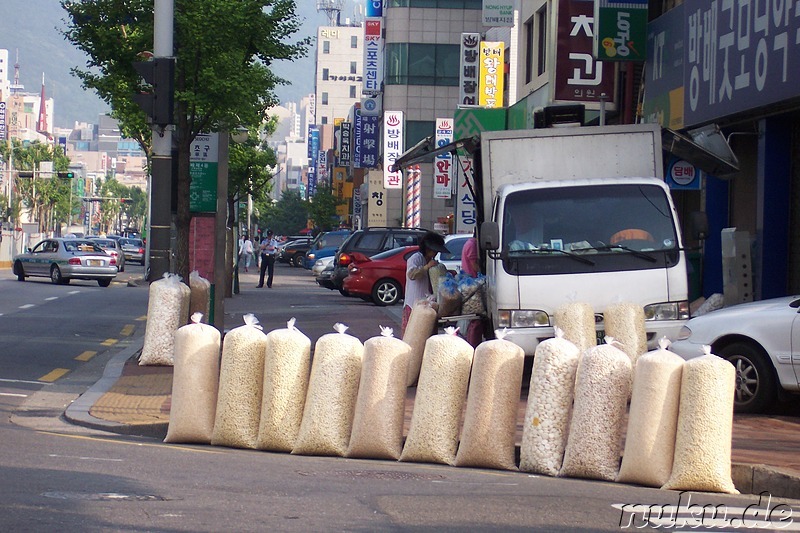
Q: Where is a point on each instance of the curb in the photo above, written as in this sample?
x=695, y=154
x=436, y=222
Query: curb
x=757, y=479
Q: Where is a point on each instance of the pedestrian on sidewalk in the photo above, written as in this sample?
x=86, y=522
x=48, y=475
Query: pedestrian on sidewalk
x=469, y=265
x=247, y=253
x=418, y=283
x=269, y=247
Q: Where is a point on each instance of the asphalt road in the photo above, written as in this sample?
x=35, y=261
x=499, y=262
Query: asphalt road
x=59, y=477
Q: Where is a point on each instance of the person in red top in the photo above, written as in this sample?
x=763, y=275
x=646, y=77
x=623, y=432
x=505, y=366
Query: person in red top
x=469, y=264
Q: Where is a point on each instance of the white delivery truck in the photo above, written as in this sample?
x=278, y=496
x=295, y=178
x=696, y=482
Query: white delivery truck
x=578, y=214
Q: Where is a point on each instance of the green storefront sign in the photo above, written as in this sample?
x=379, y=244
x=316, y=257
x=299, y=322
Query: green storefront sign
x=620, y=31
x=203, y=169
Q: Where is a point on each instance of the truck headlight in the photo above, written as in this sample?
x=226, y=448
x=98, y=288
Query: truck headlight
x=523, y=318
x=667, y=311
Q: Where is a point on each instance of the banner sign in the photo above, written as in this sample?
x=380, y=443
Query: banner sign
x=376, y=214
x=468, y=71
x=491, y=74
x=392, y=148
x=370, y=137
x=203, y=167
x=620, y=30
x=578, y=76
x=442, y=186
x=322, y=168
x=3, y=121
x=374, y=8
x=345, y=148
x=313, y=144
x=373, y=56
x=498, y=13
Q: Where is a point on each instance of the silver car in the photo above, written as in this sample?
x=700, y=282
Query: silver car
x=113, y=248
x=762, y=341
x=62, y=260
x=133, y=249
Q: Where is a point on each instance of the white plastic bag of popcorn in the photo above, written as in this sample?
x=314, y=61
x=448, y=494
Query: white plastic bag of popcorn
x=653, y=418
x=624, y=321
x=332, y=392
x=421, y=325
x=380, y=406
x=167, y=310
x=200, y=299
x=705, y=427
x=287, y=363
x=240, y=381
x=602, y=389
x=549, y=409
x=490, y=422
x=440, y=399
x=195, y=382
x=576, y=320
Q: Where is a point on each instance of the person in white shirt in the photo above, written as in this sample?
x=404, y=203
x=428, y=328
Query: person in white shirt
x=418, y=283
x=269, y=247
x=247, y=253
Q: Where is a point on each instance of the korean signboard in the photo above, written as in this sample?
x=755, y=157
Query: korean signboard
x=392, y=148
x=491, y=74
x=311, y=110
x=345, y=144
x=374, y=8
x=442, y=186
x=322, y=168
x=3, y=120
x=579, y=77
x=373, y=56
x=376, y=214
x=370, y=133
x=682, y=175
x=469, y=68
x=498, y=13
x=313, y=148
x=203, y=166
x=620, y=30
x=663, y=98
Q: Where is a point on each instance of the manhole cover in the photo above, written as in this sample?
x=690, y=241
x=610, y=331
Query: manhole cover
x=103, y=496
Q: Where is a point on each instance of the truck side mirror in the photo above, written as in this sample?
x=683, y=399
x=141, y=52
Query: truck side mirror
x=698, y=225
x=489, y=236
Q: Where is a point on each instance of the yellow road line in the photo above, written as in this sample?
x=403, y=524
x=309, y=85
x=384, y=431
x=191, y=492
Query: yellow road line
x=142, y=318
x=144, y=444
x=109, y=342
x=85, y=356
x=54, y=375
x=127, y=331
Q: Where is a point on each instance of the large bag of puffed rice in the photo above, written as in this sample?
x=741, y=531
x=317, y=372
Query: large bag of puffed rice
x=549, y=409
x=421, y=325
x=576, y=320
x=448, y=297
x=436, y=275
x=440, y=399
x=194, y=383
x=624, y=321
x=653, y=418
x=490, y=422
x=287, y=363
x=240, y=380
x=602, y=389
x=200, y=299
x=332, y=392
x=705, y=426
x=167, y=310
x=380, y=406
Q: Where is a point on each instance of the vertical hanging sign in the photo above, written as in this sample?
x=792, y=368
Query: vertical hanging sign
x=442, y=187
x=392, y=148
x=491, y=74
x=468, y=73
x=373, y=56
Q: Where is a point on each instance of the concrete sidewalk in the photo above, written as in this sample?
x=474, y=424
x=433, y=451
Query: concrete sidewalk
x=135, y=400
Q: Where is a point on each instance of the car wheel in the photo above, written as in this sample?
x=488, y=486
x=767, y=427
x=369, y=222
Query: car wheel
x=755, y=379
x=386, y=292
x=56, y=277
x=344, y=292
x=297, y=261
x=19, y=271
x=104, y=282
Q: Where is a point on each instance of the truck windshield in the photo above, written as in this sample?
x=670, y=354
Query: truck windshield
x=598, y=219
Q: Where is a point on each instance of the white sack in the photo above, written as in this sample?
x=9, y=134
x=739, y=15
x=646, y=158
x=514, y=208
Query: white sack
x=653, y=418
x=602, y=389
x=421, y=325
x=547, y=415
x=440, y=399
x=240, y=382
x=490, y=423
x=200, y=299
x=624, y=322
x=287, y=363
x=167, y=310
x=576, y=320
x=380, y=406
x=705, y=427
x=194, y=383
x=331, y=397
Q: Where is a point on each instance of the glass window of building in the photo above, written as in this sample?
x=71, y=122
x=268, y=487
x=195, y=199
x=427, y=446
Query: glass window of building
x=325, y=73
x=352, y=91
x=416, y=130
x=353, y=67
x=354, y=41
x=326, y=47
x=439, y=4
x=422, y=64
x=324, y=98
x=541, y=27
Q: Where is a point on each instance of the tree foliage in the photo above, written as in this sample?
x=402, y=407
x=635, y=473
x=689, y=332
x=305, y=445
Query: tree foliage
x=223, y=50
x=322, y=210
x=287, y=216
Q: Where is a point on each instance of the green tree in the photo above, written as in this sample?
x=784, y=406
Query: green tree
x=223, y=49
x=287, y=216
x=249, y=172
x=322, y=209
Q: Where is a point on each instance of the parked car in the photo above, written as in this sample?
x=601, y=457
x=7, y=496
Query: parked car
x=370, y=241
x=380, y=278
x=294, y=252
x=323, y=279
x=761, y=340
x=325, y=245
x=321, y=264
x=133, y=249
x=454, y=243
x=65, y=259
x=114, y=249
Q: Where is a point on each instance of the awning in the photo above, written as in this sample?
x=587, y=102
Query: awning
x=705, y=148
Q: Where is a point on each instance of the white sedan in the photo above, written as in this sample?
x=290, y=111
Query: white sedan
x=762, y=341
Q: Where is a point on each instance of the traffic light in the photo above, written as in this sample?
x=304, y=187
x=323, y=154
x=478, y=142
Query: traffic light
x=158, y=101
x=66, y=175
x=126, y=200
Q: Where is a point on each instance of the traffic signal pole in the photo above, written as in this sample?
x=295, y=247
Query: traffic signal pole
x=160, y=220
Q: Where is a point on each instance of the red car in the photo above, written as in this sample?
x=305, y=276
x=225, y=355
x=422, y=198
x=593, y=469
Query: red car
x=380, y=278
